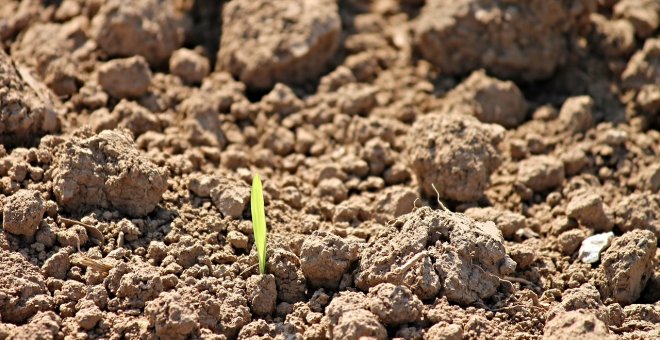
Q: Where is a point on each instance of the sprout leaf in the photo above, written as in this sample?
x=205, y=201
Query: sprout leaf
x=259, y=221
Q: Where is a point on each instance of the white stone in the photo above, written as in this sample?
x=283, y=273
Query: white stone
x=592, y=246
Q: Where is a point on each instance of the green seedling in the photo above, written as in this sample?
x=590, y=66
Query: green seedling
x=259, y=221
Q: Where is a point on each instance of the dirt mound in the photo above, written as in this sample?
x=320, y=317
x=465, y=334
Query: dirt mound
x=436, y=252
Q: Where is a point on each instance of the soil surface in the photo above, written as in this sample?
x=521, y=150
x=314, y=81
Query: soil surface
x=431, y=169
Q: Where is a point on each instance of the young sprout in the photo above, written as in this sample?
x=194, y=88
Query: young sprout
x=259, y=222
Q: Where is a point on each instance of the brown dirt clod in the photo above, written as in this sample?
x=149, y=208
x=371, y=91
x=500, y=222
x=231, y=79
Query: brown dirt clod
x=285, y=266
x=231, y=198
x=469, y=257
x=261, y=294
x=640, y=210
x=456, y=153
x=125, y=78
x=627, y=265
x=541, y=173
x=22, y=288
x=106, y=170
x=489, y=99
x=506, y=221
x=25, y=111
x=171, y=316
x=358, y=324
x=576, y=324
x=506, y=38
x=265, y=43
x=591, y=212
x=325, y=258
x=189, y=65
x=394, y=305
x=22, y=212
x=147, y=28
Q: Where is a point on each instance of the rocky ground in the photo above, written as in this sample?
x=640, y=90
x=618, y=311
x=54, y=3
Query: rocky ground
x=430, y=168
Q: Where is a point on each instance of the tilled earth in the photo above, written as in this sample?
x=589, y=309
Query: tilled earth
x=430, y=168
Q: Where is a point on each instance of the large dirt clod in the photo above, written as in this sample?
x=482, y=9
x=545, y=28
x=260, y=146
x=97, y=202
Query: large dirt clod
x=266, y=42
x=489, y=99
x=644, y=15
x=22, y=288
x=642, y=75
x=445, y=332
x=55, y=52
x=88, y=314
x=285, y=266
x=261, y=294
x=325, y=258
x=506, y=221
x=189, y=65
x=613, y=37
x=172, y=316
x=627, y=265
x=183, y=313
x=456, y=153
x=589, y=210
x=508, y=38
x=643, y=67
x=639, y=210
x=43, y=325
x=576, y=325
x=134, y=288
x=350, y=318
x=469, y=256
x=575, y=114
x=202, y=124
x=231, y=200
x=148, y=28
x=125, y=78
x=229, y=194
x=359, y=324
x=106, y=170
x=130, y=115
x=541, y=173
x=22, y=212
x=394, y=305
x=25, y=106
x=585, y=298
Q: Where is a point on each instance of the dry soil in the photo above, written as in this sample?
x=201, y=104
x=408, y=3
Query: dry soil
x=430, y=168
